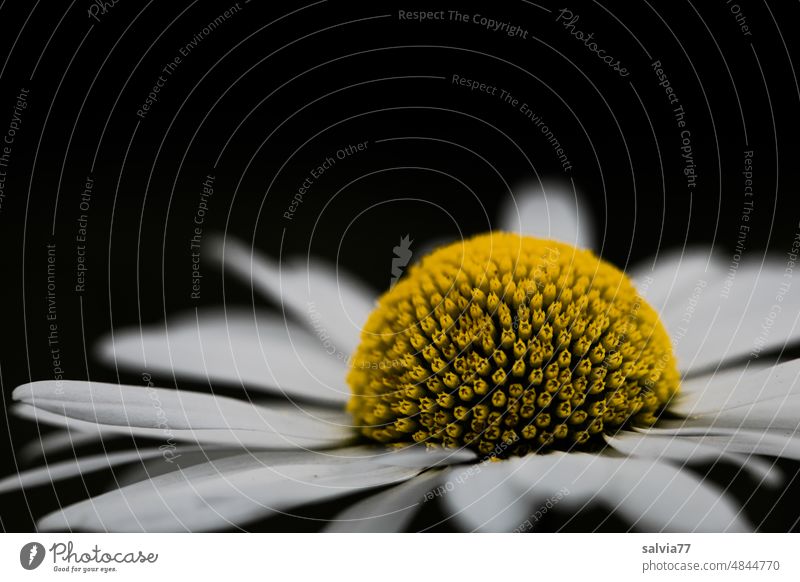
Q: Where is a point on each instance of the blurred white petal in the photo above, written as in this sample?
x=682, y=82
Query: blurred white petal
x=81, y=465
x=56, y=442
x=733, y=317
x=389, y=511
x=681, y=451
x=324, y=297
x=651, y=495
x=219, y=494
x=482, y=497
x=669, y=280
x=550, y=209
x=253, y=348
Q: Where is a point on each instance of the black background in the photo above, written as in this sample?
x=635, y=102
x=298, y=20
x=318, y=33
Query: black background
x=278, y=87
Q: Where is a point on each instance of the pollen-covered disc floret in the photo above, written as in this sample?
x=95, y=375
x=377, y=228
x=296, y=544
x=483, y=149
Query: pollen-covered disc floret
x=510, y=344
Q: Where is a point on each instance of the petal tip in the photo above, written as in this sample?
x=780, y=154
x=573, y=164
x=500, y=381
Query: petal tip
x=55, y=521
x=23, y=393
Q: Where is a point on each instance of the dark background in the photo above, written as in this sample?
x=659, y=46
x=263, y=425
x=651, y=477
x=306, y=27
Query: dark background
x=279, y=86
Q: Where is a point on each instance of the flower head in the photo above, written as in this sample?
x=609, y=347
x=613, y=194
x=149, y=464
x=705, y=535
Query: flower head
x=508, y=344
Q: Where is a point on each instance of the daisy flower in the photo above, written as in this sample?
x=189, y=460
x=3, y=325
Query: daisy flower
x=499, y=376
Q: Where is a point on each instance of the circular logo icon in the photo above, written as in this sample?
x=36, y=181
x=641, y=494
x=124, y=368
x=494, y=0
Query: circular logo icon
x=31, y=555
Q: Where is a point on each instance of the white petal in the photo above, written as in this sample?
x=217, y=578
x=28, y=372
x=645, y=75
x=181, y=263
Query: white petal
x=155, y=467
x=186, y=416
x=40, y=416
x=734, y=317
x=206, y=454
x=220, y=494
x=681, y=451
x=739, y=388
x=773, y=412
x=771, y=415
x=55, y=442
x=326, y=299
x=393, y=509
x=672, y=279
x=53, y=472
x=253, y=348
x=550, y=209
x=783, y=444
x=481, y=497
x=651, y=495
x=389, y=511
x=422, y=457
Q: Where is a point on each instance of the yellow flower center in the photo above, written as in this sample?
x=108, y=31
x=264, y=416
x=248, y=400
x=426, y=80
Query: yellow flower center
x=509, y=344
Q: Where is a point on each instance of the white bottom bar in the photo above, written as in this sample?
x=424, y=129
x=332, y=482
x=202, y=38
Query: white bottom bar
x=403, y=557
